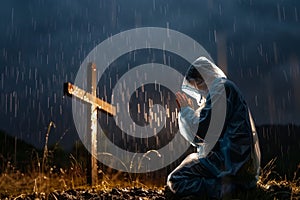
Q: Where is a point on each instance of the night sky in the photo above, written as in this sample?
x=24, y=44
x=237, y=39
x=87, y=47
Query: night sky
x=42, y=44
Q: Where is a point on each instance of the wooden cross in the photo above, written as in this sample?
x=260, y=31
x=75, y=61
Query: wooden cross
x=90, y=97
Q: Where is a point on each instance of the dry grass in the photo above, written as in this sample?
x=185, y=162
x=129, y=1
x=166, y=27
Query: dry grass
x=13, y=183
x=278, y=186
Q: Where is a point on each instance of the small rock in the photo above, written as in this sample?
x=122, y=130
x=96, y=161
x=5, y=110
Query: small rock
x=53, y=196
x=115, y=191
x=66, y=196
x=87, y=195
x=71, y=192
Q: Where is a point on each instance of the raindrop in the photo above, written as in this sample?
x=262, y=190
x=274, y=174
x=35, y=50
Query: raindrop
x=6, y=103
x=234, y=25
x=49, y=40
x=256, y=100
x=275, y=52
x=19, y=57
x=10, y=102
x=29, y=74
x=60, y=109
x=220, y=9
x=12, y=16
x=16, y=104
x=285, y=76
x=283, y=12
x=2, y=81
x=54, y=98
x=35, y=73
x=278, y=13
x=215, y=36
x=154, y=5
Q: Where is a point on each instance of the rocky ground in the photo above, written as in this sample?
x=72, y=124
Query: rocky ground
x=124, y=193
x=134, y=193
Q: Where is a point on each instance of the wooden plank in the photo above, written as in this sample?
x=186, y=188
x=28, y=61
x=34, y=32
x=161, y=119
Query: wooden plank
x=92, y=122
x=72, y=90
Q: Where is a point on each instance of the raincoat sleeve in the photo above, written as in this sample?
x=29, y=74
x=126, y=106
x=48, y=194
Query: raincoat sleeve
x=193, y=126
x=188, y=125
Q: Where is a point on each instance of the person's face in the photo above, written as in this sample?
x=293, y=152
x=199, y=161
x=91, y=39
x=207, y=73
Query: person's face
x=199, y=85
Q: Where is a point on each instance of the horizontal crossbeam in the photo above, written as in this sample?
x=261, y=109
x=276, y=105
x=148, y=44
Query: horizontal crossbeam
x=73, y=90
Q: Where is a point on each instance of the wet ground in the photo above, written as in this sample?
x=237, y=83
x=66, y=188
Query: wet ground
x=134, y=193
x=124, y=193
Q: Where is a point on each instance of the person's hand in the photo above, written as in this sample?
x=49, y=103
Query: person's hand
x=183, y=101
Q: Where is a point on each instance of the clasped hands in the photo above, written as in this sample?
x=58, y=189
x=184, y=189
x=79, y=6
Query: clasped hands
x=182, y=100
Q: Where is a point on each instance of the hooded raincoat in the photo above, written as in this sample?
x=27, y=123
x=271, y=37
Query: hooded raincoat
x=229, y=161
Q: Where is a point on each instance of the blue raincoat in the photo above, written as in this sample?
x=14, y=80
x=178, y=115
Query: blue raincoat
x=229, y=161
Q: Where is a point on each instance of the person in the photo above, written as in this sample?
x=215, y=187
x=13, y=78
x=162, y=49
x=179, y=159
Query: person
x=227, y=159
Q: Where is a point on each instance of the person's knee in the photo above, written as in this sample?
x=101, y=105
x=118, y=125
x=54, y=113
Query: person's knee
x=175, y=182
x=170, y=182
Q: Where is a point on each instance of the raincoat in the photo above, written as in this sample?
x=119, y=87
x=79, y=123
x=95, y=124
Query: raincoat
x=232, y=161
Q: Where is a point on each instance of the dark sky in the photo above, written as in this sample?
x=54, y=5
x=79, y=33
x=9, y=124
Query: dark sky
x=43, y=42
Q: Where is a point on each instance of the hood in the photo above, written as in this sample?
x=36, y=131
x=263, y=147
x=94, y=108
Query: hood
x=208, y=71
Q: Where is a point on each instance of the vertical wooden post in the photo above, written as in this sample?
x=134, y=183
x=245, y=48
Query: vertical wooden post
x=15, y=156
x=92, y=177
